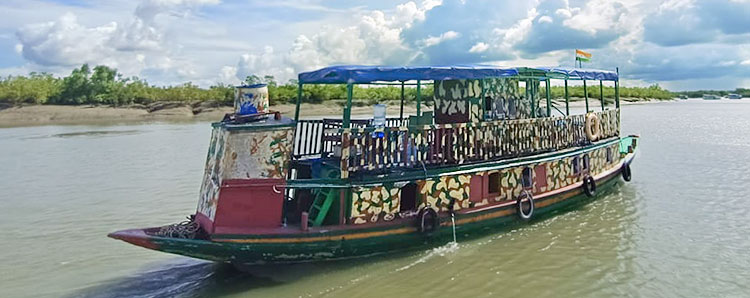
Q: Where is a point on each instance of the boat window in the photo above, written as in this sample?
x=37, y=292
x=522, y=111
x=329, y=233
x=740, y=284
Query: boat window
x=526, y=178
x=493, y=185
x=408, y=198
x=576, y=165
x=512, y=108
x=586, y=162
x=488, y=104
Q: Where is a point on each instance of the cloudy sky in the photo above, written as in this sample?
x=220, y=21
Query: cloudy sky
x=680, y=44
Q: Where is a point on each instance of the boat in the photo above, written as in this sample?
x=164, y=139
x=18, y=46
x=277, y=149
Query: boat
x=280, y=190
x=711, y=97
x=734, y=96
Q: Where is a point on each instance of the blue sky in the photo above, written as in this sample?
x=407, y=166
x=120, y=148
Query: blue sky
x=680, y=44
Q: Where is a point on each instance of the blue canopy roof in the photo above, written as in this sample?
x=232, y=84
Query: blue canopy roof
x=358, y=74
x=582, y=73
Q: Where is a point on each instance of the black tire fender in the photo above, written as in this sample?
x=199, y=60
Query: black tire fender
x=525, y=196
x=589, y=186
x=427, y=221
x=626, y=173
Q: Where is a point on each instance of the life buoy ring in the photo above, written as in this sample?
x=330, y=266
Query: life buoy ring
x=625, y=171
x=427, y=221
x=593, y=130
x=527, y=197
x=589, y=186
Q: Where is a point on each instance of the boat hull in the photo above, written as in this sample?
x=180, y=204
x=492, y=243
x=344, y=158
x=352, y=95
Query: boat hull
x=367, y=241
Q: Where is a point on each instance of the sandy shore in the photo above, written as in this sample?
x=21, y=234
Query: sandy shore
x=31, y=115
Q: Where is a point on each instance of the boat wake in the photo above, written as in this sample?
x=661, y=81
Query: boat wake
x=440, y=251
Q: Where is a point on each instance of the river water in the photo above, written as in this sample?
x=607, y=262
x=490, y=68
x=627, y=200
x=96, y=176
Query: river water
x=680, y=228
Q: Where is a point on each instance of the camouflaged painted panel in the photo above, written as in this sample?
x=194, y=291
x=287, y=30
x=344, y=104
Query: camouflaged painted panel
x=213, y=171
x=371, y=204
x=455, y=101
x=438, y=192
x=258, y=154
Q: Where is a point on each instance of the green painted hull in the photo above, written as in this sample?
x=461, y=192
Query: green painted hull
x=343, y=244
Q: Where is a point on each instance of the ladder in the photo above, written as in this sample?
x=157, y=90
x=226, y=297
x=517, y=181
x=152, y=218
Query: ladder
x=324, y=198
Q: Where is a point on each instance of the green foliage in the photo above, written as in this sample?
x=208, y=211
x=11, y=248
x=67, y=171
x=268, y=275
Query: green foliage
x=37, y=88
x=104, y=85
x=651, y=92
x=745, y=92
x=319, y=93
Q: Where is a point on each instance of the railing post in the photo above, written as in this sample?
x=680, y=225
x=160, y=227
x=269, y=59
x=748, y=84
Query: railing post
x=419, y=102
x=345, y=148
x=549, y=101
x=402, y=104
x=601, y=93
x=348, y=109
x=567, y=99
x=586, y=96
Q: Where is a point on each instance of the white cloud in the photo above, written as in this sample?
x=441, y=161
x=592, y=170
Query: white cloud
x=65, y=42
x=374, y=39
x=545, y=19
x=436, y=40
x=479, y=48
x=134, y=48
x=518, y=32
x=598, y=15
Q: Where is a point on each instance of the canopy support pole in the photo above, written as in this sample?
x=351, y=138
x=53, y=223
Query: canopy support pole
x=346, y=123
x=601, y=93
x=617, y=89
x=299, y=101
x=402, y=104
x=586, y=96
x=419, y=102
x=530, y=96
x=567, y=99
x=549, y=101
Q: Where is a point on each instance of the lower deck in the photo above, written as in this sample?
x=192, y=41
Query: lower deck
x=290, y=245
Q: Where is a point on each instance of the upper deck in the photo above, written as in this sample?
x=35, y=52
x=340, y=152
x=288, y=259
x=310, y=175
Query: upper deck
x=479, y=114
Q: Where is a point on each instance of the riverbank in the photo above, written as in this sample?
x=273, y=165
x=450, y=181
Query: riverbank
x=33, y=115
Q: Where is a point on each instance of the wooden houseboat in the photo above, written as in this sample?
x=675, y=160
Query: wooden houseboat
x=488, y=153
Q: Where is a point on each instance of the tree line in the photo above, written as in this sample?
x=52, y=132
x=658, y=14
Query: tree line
x=745, y=92
x=106, y=86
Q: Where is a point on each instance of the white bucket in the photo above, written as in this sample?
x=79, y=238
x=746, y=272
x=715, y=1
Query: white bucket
x=252, y=99
x=379, y=116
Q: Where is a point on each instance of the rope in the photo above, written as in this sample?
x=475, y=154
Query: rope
x=186, y=229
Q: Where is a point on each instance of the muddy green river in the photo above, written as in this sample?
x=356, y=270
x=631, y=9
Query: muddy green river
x=681, y=228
